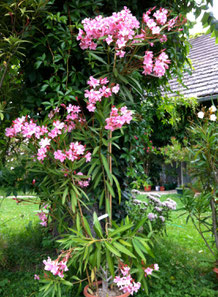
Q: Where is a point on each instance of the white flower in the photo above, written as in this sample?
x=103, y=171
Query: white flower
x=201, y=114
x=213, y=117
x=212, y=108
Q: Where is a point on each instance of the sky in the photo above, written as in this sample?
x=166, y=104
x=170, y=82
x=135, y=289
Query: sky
x=198, y=27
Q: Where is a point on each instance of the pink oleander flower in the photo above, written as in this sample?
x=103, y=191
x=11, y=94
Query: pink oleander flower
x=55, y=267
x=98, y=90
x=148, y=271
x=118, y=117
x=73, y=108
x=77, y=148
x=54, y=133
x=59, y=155
x=161, y=64
x=109, y=39
x=58, y=125
x=36, y=277
x=118, y=28
x=163, y=38
x=104, y=81
x=156, y=30
x=161, y=16
x=125, y=270
x=41, y=154
x=120, y=53
x=88, y=157
x=43, y=217
x=148, y=62
x=171, y=23
x=83, y=183
x=44, y=142
x=126, y=283
x=116, y=89
x=92, y=82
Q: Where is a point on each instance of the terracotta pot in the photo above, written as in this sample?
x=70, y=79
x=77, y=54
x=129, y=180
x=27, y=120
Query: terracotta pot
x=162, y=188
x=86, y=294
x=147, y=189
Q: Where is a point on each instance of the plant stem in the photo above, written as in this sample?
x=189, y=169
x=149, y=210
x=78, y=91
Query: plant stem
x=214, y=222
x=199, y=231
x=110, y=168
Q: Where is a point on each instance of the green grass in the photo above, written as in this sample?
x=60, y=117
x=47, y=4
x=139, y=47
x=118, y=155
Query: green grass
x=182, y=233
x=21, y=250
x=185, y=263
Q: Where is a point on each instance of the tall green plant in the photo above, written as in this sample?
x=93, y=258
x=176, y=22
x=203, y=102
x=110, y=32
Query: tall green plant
x=203, y=166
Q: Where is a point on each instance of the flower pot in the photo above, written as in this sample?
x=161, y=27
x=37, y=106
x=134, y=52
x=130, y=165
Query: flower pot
x=147, y=189
x=86, y=294
x=179, y=191
x=157, y=188
x=162, y=188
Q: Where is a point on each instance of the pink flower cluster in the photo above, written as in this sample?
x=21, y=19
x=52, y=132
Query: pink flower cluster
x=126, y=282
x=121, y=29
x=149, y=270
x=161, y=19
x=25, y=128
x=158, y=66
x=118, y=117
x=117, y=29
x=83, y=183
x=98, y=90
x=56, y=268
x=43, y=217
x=76, y=150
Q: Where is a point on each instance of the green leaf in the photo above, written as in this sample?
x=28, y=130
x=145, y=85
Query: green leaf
x=87, y=228
x=118, y=187
x=110, y=262
x=140, y=224
x=64, y=195
x=98, y=262
x=123, y=242
x=112, y=249
x=66, y=283
x=106, y=167
x=97, y=181
x=138, y=250
x=110, y=189
x=97, y=58
x=123, y=249
x=120, y=230
x=97, y=225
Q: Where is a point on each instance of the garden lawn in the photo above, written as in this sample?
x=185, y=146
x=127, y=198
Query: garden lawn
x=185, y=264
x=21, y=250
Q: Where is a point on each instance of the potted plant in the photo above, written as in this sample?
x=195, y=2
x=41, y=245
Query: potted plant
x=110, y=257
x=147, y=184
